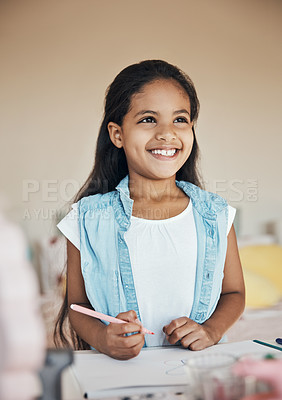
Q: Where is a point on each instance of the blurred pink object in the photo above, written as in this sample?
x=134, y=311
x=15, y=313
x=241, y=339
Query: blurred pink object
x=52, y=256
x=269, y=371
x=22, y=335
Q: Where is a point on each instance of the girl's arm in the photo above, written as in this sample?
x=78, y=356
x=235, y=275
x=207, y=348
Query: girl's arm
x=109, y=339
x=232, y=300
x=229, y=308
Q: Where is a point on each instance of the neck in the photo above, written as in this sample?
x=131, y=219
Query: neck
x=144, y=189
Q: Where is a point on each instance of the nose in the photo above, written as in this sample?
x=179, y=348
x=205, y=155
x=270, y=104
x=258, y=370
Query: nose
x=165, y=133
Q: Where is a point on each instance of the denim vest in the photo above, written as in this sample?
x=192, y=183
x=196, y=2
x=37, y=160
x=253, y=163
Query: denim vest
x=105, y=261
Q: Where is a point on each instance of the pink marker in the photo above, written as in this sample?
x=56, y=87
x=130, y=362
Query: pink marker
x=104, y=317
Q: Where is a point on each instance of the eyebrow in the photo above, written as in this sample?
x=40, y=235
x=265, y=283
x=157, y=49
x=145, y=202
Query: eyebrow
x=183, y=111
x=142, y=112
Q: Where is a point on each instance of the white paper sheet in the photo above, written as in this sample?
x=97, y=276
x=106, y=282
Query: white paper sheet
x=162, y=367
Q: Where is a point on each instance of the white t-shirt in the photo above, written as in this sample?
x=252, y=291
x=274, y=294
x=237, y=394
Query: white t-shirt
x=163, y=256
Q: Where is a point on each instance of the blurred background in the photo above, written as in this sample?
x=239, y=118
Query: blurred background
x=59, y=56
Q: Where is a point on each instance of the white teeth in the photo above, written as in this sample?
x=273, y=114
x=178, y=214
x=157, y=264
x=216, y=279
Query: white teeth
x=168, y=153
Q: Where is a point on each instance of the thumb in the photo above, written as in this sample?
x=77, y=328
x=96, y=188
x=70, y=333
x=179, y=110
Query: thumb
x=140, y=323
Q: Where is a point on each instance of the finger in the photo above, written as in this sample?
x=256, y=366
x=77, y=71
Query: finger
x=128, y=347
x=119, y=346
x=128, y=342
x=140, y=323
x=196, y=340
x=129, y=316
x=127, y=353
x=182, y=326
x=180, y=333
x=123, y=329
x=176, y=323
x=193, y=343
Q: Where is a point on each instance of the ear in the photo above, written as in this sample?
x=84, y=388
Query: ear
x=115, y=134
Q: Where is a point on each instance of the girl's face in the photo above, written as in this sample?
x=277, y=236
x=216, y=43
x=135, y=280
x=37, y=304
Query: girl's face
x=156, y=133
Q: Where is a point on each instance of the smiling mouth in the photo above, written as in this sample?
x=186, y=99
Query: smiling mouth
x=166, y=153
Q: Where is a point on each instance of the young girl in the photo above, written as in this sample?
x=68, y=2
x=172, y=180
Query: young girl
x=145, y=243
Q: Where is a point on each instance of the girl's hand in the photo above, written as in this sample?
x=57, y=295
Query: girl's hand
x=189, y=333
x=114, y=341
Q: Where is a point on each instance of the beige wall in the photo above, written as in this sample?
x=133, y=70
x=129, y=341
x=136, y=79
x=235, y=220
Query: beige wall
x=58, y=56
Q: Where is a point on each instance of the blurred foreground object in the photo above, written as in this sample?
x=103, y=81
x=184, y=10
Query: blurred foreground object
x=52, y=257
x=52, y=254
x=268, y=371
x=56, y=361
x=22, y=335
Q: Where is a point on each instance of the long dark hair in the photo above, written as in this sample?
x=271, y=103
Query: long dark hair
x=110, y=165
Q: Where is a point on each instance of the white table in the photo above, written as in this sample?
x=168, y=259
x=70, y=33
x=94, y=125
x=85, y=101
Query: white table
x=105, y=369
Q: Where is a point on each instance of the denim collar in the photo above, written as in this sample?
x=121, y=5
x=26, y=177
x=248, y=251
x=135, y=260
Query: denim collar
x=127, y=202
x=207, y=204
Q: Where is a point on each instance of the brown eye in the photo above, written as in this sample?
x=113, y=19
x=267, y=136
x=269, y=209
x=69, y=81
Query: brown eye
x=148, y=120
x=181, y=119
